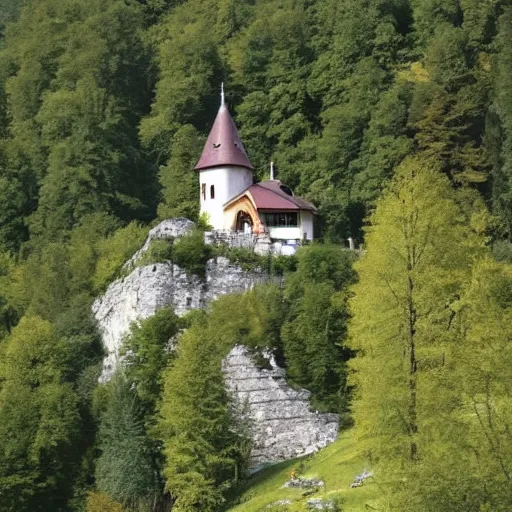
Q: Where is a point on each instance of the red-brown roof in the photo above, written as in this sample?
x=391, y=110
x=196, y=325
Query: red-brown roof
x=272, y=195
x=223, y=146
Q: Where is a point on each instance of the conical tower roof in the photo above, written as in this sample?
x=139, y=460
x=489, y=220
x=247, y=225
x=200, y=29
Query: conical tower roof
x=223, y=146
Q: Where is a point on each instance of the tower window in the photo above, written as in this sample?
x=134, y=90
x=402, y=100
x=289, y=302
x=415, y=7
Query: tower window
x=212, y=192
x=203, y=191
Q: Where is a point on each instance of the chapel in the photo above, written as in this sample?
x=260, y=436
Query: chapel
x=232, y=201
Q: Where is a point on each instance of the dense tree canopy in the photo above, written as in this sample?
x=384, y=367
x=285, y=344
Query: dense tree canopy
x=335, y=98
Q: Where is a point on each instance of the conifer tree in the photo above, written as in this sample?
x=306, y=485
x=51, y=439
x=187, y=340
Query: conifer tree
x=125, y=470
x=466, y=465
x=485, y=375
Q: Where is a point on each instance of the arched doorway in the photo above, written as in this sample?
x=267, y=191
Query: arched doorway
x=244, y=222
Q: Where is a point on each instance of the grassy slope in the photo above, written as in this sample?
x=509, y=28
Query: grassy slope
x=336, y=465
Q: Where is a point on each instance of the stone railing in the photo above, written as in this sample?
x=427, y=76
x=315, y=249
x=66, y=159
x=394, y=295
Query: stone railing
x=231, y=238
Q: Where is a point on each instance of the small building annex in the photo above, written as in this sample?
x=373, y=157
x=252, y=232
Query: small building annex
x=232, y=201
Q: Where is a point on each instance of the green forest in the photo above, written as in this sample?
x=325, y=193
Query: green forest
x=393, y=117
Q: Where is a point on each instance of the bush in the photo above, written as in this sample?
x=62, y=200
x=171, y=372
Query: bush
x=284, y=264
x=243, y=257
x=159, y=251
x=191, y=253
x=188, y=252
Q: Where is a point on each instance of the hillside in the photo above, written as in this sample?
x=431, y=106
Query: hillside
x=337, y=465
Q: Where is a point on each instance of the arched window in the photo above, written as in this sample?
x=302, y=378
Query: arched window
x=212, y=192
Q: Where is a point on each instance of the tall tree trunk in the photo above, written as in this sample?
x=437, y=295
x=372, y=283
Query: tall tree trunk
x=411, y=318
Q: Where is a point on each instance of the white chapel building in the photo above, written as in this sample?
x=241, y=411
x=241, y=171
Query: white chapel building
x=232, y=201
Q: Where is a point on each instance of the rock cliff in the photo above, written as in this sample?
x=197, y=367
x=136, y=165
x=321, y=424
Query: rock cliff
x=282, y=424
x=151, y=287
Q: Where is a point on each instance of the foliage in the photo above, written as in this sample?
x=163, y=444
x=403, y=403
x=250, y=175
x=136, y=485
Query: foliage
x=40, y=419
x=191, y=253
x=159, y=251
x=104, y=107
x=484, y=373
x=499, y=125
x=420, y=247
x=243, y=257
x=258, y=322
x=71, y=144
x=124, y=470
x=179, y=182
x=114, y=251
x=148, y=352
x=201, y=446
x=314, y=331
x=8, y=315
x=188, y=252
x=502, y=251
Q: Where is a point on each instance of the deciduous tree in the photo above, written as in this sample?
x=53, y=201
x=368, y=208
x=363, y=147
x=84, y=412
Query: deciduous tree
x=420, y=246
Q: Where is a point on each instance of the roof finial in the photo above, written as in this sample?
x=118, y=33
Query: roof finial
x=272, y=171
x=222, y=99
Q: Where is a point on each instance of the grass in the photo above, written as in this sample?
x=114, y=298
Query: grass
x=336, y=465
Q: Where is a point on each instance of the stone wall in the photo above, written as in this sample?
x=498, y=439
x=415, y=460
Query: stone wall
x=282, y=423
x=260, y=244
x=231, y=238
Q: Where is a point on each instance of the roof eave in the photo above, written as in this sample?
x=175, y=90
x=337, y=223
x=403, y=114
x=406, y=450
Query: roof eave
x=205, y=167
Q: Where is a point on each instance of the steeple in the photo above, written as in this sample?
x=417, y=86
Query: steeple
x=223, y=146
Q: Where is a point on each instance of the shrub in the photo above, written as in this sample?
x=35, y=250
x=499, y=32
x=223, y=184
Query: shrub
x=191, y=253
x=158, y=252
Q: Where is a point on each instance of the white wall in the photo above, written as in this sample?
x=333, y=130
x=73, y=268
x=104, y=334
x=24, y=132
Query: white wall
x=307, y=225
x=228, y=182
x=283, y=233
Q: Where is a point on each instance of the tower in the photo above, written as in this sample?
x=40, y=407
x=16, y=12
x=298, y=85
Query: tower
x=224, y=168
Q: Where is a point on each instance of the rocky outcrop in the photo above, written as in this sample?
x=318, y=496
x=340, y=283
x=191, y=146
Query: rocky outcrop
x=282, y=424
x=149, y=288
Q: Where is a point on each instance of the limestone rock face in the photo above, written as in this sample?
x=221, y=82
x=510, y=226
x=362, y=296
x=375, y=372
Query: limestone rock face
x=282, y=424
x=152, y=287
x=171, y=228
